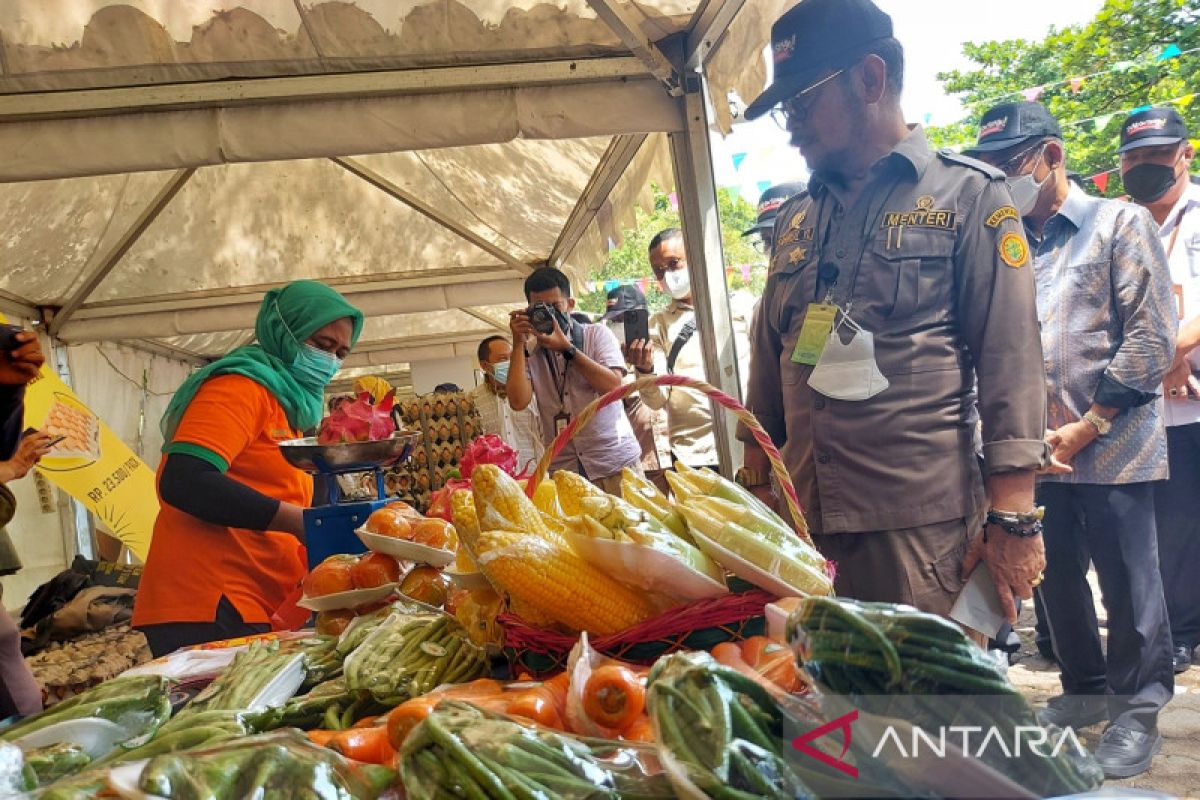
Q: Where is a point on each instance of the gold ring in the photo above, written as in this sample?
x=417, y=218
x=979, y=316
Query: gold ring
x=1036, y=582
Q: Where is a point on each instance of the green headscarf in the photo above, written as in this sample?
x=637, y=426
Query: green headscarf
x=287, y=317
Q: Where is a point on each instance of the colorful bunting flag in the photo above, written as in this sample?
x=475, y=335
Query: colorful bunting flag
x=1101, y=181
x=763, y=186
x=1139, y=109
x=1172, y=51
x=928, y=117
x=673, y=199
x=1033, y=94
x=1077, y=85
x=644, y=284
x=738, y=158
x=610, y=284
x=746, y=273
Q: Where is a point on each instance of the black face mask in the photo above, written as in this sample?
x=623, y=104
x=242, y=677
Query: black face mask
x=1148, y=182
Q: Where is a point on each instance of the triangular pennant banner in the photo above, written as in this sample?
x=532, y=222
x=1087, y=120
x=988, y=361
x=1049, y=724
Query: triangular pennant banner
x=673, y=198
x=1140, y=109
x=610, y=284
x=746, y=273
x=1171, y=52
x=644, y=285
x=1101, y=181
x=763, y=186
x=928, y=116
x=1185, y=101
x=1076, y=85
x=1103, y=120
x=1033, y=94
x=738, y=158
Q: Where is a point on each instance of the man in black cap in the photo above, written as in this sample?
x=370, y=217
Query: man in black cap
x=1155, y=157
x=899, y=281
x=768, y=209
x=1106, y=316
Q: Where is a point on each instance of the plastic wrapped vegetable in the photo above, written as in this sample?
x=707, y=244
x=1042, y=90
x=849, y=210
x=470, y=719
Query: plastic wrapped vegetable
x=261, y=675
x=896, y=662
x=462, y=751
x=56, y=761
x=410, y=653
x=183, y=732
x=279, y=764
x=138, y=704
x=719, y=730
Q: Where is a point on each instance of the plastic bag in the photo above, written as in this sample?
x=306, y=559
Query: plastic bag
x=459, y=744
x=583, y=662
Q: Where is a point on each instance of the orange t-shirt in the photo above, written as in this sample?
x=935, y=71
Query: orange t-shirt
x=192, y=563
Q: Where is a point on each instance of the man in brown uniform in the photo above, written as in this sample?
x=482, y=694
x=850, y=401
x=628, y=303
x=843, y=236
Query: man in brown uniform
x=924, y=253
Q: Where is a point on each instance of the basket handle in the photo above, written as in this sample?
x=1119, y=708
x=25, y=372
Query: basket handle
x=738, y=410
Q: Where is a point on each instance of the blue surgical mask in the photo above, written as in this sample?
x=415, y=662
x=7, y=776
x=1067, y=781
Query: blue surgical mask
x=313, y=367
x=500, y=371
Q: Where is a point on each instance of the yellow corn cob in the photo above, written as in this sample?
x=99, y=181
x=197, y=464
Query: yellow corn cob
x=534, y=616
x=545, y=498
x=498, y=491
x=466, y=522
x=572, y=488
x=556, y=581
x=644, y=495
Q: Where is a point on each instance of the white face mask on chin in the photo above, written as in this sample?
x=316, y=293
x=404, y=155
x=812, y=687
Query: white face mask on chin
x=848, y=371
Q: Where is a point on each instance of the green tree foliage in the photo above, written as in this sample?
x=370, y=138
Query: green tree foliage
x=630, y=262
x=1123, y=43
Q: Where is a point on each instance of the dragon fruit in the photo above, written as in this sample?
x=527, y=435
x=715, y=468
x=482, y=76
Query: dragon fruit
x=489, y=449
x=359, y=421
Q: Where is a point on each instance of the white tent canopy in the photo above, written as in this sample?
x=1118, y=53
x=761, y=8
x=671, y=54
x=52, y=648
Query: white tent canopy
x=164, y=162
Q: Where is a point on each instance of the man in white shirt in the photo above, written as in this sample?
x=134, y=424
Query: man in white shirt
x=521, y=429
x=675, y=349
x=1155, y=158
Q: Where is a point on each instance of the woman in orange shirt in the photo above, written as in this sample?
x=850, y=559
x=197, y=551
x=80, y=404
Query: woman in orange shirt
x=228, y=546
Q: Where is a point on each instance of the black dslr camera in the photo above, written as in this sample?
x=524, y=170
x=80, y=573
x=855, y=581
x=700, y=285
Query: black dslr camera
x=542, y=316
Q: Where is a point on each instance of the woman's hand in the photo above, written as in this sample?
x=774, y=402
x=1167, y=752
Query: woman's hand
x=29, y=452
x=289, y=519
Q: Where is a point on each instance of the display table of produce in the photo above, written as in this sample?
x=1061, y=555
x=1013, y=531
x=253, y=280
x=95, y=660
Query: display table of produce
x=555, y=642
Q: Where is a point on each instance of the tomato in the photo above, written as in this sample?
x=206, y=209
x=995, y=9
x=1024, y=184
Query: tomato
x=434, y=532
x=427, y=585
x=374, y=569
x=390, y=521
x=330, y=577
x=332, y=623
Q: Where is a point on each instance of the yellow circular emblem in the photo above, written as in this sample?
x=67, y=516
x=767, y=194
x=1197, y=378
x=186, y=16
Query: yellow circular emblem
x=1013, y=250
x=925, y=202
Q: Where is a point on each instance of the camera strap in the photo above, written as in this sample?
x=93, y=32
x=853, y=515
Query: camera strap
x=560, y=380
x=685, y=333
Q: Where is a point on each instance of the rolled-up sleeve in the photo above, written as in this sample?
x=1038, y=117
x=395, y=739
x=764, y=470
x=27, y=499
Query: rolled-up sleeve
x=1141, y=281
x=764, y=392
x=998, y=314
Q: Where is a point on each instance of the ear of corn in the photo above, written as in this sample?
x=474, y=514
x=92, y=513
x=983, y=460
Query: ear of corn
x=683, y=487
x=466, y=522
x=553, y=579
x=545, y=498
x=645, y=496
x=572, y=488
x=497, y=491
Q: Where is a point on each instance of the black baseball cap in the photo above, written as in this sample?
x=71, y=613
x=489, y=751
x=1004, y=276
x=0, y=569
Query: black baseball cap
x=769, y=203
x=623, y=298
x=1150, y=127
x=813, y=36
x=1009, y=124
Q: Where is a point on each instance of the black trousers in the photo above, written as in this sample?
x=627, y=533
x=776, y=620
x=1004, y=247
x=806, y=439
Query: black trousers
x=168, y=637
x=1177, y=516
x=1113, y=526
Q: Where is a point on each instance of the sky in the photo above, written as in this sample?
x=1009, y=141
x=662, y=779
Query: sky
x=932, y=32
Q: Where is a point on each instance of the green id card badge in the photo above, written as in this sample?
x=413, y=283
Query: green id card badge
x=814, y=333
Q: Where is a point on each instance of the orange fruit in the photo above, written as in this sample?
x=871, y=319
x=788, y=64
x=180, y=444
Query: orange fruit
x=374, y=569
x=405, y=509
x=332, y=623
x=427, y=585
x=434, y=532
x=390, y=521
x=329, y=577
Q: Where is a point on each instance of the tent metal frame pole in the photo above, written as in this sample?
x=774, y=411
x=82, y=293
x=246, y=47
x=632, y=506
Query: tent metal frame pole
x=164, y=350
x=616, y=159
x=76, y=519
x=708, y=28
x=417, y=204
x=627, y=27
x=379, y=83
x=479, y=315
x=692, y=162
x=105, y=264
x=11, y=304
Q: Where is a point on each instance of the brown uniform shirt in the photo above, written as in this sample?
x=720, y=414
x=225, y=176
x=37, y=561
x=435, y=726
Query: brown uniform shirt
x=945, y=285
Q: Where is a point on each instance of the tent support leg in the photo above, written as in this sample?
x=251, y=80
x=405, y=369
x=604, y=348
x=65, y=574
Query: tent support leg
x=692, y=161
x=75, y=518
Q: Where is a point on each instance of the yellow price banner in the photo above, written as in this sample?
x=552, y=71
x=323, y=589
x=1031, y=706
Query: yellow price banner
x=91, y=463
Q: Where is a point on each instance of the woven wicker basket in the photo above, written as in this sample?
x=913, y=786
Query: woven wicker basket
x=698, y=625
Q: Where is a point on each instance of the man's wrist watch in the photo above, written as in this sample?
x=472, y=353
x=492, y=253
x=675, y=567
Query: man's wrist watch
x=1102, y=425
x=570, y=352
x=751, y=478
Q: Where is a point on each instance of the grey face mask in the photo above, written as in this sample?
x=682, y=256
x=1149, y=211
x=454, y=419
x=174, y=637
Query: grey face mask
x=1025, y=190
x=848, y=371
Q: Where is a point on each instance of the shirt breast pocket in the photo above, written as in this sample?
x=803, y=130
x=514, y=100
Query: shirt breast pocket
x=1087, y=292
x=909, y=271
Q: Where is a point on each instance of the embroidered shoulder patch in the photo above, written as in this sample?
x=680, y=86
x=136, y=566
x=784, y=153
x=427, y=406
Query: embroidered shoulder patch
x=1000, y=214
x=1013, y=250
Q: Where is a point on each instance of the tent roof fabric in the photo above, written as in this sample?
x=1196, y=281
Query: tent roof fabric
x=163, y=162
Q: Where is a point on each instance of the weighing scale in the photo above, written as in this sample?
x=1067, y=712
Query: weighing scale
x=329, y=530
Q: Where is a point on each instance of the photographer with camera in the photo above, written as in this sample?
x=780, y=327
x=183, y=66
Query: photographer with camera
x=567, y=365
x=20, y=361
